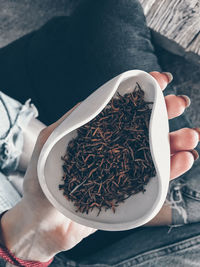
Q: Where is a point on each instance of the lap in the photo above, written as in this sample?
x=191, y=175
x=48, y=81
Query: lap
x=153, y=246
x=69, y=57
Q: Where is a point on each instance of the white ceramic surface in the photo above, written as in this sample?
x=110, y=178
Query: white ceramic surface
x=138, y=209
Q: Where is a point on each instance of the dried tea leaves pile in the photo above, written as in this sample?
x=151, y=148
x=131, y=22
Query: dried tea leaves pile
x=110, y=158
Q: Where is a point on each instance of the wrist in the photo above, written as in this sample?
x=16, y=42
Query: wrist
x=25, y=237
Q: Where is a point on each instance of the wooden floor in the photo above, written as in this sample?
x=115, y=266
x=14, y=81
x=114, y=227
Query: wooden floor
x=176, y=25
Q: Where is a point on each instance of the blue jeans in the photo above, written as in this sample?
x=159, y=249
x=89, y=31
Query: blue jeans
x=14, y=116
x=61, y=64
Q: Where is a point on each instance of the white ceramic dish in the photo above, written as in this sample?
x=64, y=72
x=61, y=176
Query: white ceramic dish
x=138, y=209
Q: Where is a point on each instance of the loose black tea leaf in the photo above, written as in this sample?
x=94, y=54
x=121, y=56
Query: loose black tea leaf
x=110, y=158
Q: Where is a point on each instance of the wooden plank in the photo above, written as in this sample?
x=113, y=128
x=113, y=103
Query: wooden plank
x=176, y=25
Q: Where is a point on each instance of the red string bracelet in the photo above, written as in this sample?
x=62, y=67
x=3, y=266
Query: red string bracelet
x=10, y=257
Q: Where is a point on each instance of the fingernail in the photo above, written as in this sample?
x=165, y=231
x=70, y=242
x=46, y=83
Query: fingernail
x=197, y=130
x=187, y=100
x=169, y=76
x=195, y=154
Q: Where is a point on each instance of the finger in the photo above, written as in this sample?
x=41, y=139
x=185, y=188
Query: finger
x=162, y=78
x=175, y=105
x=183, y=139
x=181, y=162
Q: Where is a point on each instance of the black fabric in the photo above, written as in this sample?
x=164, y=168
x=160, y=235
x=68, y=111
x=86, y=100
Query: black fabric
x=69, y=57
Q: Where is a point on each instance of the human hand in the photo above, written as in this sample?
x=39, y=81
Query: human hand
x=182, y=144
x=34, y=229
x=183, y=141
x=51, y=230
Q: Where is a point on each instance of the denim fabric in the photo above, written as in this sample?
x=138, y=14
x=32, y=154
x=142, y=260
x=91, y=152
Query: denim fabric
x=61, y=64
x=145, y=247
x=184, y=196
x=9, y=196
x=14, y=118
x=2, y=263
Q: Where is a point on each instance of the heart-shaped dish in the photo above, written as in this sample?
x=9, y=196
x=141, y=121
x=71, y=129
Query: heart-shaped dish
x=138, y=209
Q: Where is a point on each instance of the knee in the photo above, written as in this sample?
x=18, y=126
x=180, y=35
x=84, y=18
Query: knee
x=127, y=10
